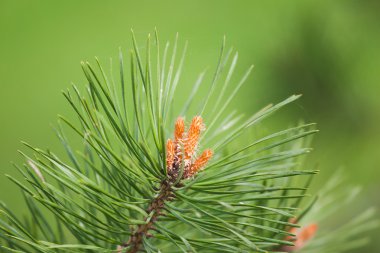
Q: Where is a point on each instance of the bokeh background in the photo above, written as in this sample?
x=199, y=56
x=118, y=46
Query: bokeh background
x=327, y=50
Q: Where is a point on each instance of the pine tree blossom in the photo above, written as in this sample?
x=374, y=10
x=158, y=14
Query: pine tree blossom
x=182, y=151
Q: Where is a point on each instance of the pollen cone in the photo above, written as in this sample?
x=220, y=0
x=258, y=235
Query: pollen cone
x=193, y=136
x=200, y=162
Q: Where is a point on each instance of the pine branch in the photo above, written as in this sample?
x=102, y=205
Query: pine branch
x=138, y=185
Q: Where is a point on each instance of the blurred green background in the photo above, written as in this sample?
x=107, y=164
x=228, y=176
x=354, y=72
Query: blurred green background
x=327, y=50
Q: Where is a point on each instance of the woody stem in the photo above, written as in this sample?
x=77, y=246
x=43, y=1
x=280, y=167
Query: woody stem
x=156, y=206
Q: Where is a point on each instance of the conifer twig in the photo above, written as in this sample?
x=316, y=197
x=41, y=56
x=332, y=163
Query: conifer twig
x=130, y=188
x=155, y=207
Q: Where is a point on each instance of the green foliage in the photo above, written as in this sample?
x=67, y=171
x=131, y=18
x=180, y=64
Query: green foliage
x=241, y=202
x=338, y=197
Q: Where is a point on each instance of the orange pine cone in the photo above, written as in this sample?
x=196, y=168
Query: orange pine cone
x=200, y=162
x=193, y=135
x=179, y=130
x=303, y=235
x=183, y=148
x=169, y=154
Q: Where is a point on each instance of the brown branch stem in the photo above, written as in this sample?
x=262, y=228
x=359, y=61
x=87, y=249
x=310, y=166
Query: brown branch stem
x=156, y=206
